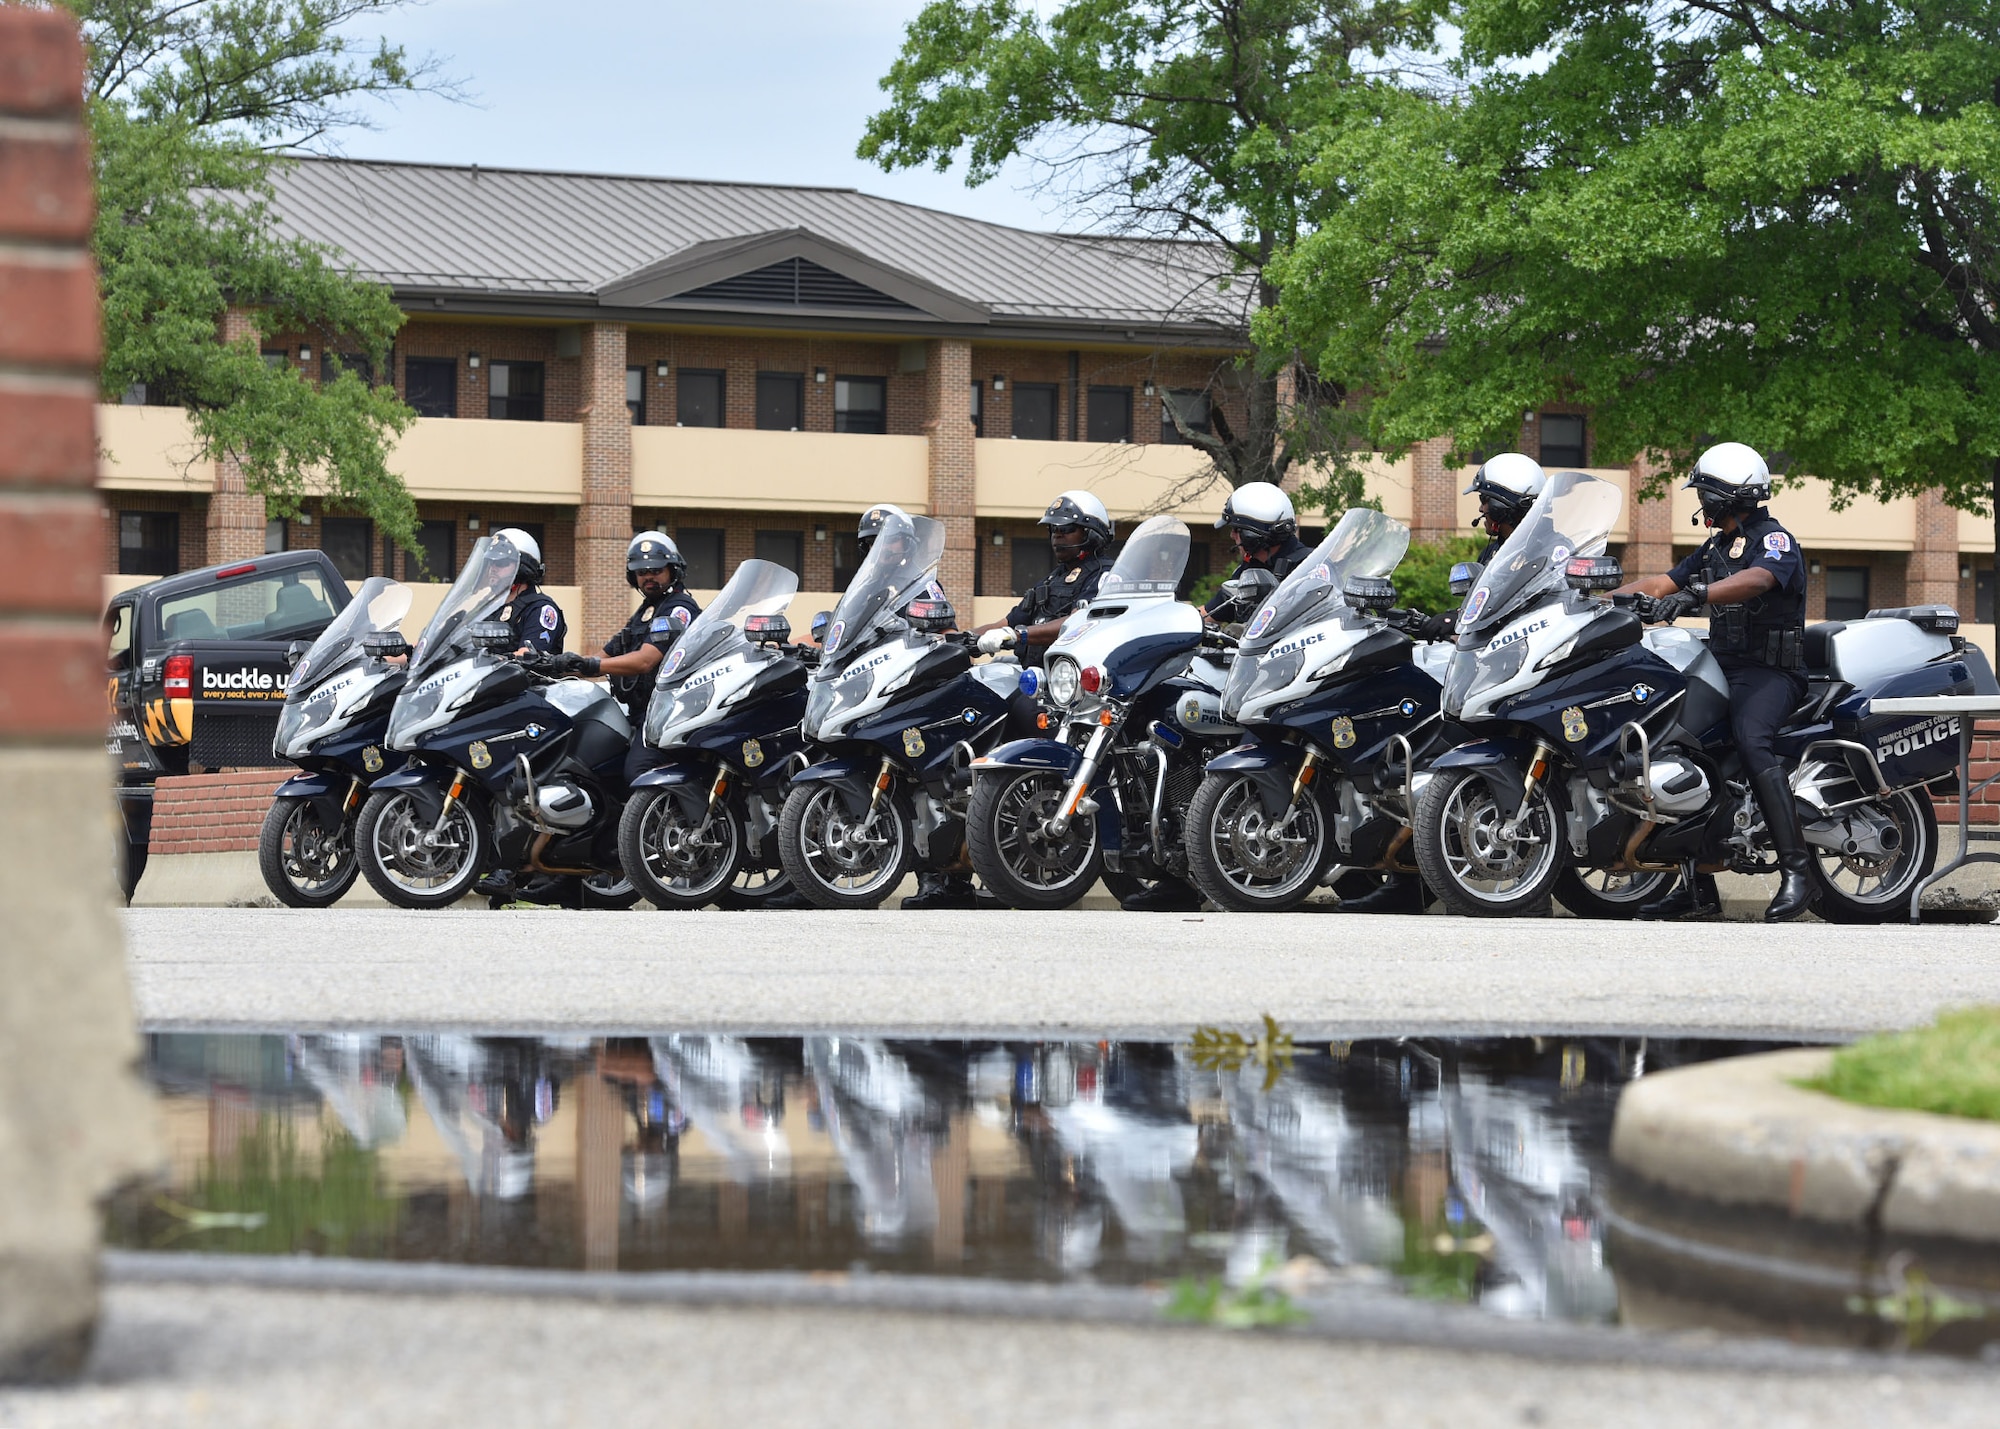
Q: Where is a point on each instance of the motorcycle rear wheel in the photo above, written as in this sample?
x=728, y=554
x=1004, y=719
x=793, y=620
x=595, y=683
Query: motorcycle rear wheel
x=1245, y=861
x=1860, y=889
x=305, y=864
x=1621, y=895
x=1017, y=859
x=389, y=846
x=837, y=859
x=1464, y=861
x=674, y=861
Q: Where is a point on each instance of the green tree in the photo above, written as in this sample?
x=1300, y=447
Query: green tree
x=192, y=105
x=1706, y=219
x=1172, y=118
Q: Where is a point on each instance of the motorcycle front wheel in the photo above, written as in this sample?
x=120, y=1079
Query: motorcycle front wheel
x=1602, y=893
x=307, y=860
x=1470, y=857
x=676, y=859
x=414, y=861
x=1246, y=860
x=837, y=858
x=1014, y=853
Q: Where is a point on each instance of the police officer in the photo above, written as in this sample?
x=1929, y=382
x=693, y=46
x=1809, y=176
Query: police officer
x=1265, y=532
x=655, y=568
x=1079, y=530
x=1752, y=577
x=536, y=620
x=873, y=521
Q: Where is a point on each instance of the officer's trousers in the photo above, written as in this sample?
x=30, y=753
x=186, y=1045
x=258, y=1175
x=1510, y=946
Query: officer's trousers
x=1761, y=699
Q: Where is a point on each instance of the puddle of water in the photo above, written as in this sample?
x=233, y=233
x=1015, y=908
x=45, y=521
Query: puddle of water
x=1457, y=1170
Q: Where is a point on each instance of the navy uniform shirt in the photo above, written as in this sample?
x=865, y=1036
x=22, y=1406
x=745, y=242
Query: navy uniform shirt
x=1740, y=632
x=537, y=622
x=1281, y=563
x=1055, y=596
x=658, y=623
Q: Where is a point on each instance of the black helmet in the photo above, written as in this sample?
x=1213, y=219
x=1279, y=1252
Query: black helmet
x=651, y=551
x=1080, y=508
x=871, y=524
x=530, y=571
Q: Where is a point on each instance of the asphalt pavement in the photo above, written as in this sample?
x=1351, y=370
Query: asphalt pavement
x=1055, y=974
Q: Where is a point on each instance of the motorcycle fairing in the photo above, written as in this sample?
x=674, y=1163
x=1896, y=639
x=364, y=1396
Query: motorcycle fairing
x=314, y=785
x=1400, y=699
x=853, y=776
x=938, y=714
x=1270, y=764
x=772, y=724
x=1502, y=761
x=1034, y=754
x=1604, y=697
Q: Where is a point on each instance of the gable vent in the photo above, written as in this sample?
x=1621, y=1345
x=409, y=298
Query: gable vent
x=797, y=283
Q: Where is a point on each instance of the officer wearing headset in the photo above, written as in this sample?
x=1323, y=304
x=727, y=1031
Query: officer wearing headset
x=537, y=621
x=1079, y=530
x=1752, y=577
x=1265, y=531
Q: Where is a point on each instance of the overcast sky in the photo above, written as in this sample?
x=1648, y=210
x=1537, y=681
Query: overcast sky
x=773, y=91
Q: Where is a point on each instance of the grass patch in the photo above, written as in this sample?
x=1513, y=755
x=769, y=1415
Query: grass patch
x=1951, y=1067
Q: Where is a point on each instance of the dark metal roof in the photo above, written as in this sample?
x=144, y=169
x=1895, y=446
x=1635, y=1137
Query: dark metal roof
x=510, y=237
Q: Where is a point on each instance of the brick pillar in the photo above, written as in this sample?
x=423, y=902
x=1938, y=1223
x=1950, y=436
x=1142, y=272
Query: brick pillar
x=1649, y=550
x=1933, y=570
x=948, y=426
x=604, y=520
x=1434, y=492
x=73, y=1120
x=235, y=514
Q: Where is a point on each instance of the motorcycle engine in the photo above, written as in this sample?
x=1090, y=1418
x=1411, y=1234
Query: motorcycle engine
x=1678, y=785
x=564, y=806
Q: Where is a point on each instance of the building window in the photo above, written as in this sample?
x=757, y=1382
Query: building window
x=348, y=541
x=784, y=548
x=149, y=543
x=846, y=558
x=780, y=401
x=1110, y=418
x=700, y=399
x=331, y=365
x=1194, y=414
x=979, y=409
x=430, y=386
x=1032, y=561
x=276, y=358
x=701, y=548
x=275, y=536
x=436, y=555
x=514, y=391
x=1846, y=592
x=1562, y=440
x=861, y=404
x=1035, y=411
x=635, y=395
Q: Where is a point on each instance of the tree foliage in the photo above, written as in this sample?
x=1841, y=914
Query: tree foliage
x=1772, y=221
x=192, y=105
x=1173, y=118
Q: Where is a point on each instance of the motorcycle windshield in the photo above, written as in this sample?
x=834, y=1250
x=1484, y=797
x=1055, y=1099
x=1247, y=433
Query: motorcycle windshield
x=1151, y=563
x=757, y=588
x=480, y=590
x=905, y=553
x=380, y=604
x=1572, y=517
x=1364, y=543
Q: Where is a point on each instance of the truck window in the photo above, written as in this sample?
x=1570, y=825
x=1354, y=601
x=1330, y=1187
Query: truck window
x=278, y=605
x=118, y=632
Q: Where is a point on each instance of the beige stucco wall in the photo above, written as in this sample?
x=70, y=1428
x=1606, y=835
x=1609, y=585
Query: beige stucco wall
x=443, y=458
x=1017, y=479
x=777, y=471
x=149, y=449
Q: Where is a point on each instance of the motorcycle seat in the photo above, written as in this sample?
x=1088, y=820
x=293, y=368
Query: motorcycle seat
x=1819, y=644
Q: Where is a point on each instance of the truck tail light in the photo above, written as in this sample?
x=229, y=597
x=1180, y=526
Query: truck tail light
x=180, y=677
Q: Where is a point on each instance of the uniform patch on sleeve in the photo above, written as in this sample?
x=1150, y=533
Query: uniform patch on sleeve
x=680, y=615
x=1777, y=541
x=550, y=615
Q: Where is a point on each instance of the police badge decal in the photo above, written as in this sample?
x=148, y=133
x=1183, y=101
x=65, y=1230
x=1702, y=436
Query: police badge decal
x=1343, y=732
x=913, y=742
x=1575, y=726
x=753, y=754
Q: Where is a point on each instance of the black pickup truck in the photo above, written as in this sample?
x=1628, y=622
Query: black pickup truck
x=197, y=673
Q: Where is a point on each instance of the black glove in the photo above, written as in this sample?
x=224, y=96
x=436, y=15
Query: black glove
x=571, y=663
x=1653, y=609
x=1433, y=627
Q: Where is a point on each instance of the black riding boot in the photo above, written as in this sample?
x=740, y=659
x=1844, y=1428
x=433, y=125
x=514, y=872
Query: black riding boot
x=1399, y=893
x=1781, y=816
x=1169, y=895
x=1694, y=896
x=942, y=890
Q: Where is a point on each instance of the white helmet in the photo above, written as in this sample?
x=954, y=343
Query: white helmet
x=1730, y=477
x=652, y=551
x=1260, y=511
x=532, y=571
x=1509, y=483
x=1080, y=508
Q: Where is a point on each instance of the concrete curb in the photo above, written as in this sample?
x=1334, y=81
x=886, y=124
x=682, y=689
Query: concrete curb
x=1740, y=1133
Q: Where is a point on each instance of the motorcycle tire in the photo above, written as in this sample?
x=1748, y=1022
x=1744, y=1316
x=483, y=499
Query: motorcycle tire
x=1882, y=887
x=1229, y=852
x=1575, y=892
x=609, y=892
x=1455, y=818
x=288, y=871
x=820, y=845
x=1021, y=866
x=386, y=845
x=673, y=862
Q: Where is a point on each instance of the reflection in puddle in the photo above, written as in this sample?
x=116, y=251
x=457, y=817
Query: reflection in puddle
x=1467, y=1170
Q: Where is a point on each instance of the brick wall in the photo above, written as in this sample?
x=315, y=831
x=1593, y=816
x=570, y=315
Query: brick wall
x=1985, y=764
x=740, y=359
x=192, y=509
x=604, y=518
x=213, y=813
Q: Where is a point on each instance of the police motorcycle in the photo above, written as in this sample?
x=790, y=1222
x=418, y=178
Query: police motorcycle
x=897, y=714
x=725, y=714
x=1133, y=698
x=506, y=770
x=1601, y=760
x=334, y=726
x=1341, y=709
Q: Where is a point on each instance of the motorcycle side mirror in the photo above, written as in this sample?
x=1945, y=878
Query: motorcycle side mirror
x=1464, y=576
x=380, y=644
x=491, y=635
x=1594, y=573
x=295, y=652
x=819, y=625
x=1370, y=592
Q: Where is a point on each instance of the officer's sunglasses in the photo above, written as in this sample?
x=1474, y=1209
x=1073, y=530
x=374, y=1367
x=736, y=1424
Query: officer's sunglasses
x=646, y=571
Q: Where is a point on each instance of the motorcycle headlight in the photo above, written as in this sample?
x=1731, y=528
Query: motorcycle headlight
x=413, y=708
x=1556, y=656
x=298, y=722
x=1064, y=680
x=662, y=715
